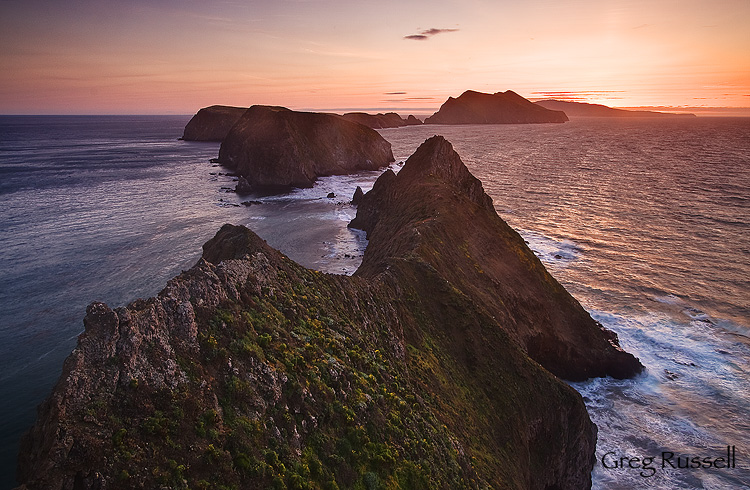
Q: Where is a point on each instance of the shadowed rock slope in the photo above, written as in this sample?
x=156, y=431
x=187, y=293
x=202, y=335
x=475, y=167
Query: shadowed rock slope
x=499, y=108
x=250, y=371
x=212, y=123
x=274, y=147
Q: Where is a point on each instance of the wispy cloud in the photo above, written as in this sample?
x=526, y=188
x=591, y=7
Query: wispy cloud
x=427, y=33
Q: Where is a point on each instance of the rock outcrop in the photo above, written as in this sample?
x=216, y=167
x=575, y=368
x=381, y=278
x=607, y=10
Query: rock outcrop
x=412, y=121
x=212, y=123
x=500, y=108
x=250, y=371
x=582, y=109
x=276, y=148
x=358, y=195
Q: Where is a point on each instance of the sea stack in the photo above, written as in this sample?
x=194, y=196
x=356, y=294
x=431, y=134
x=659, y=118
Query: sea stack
x=250, y=371
x=500, y=108
x=277, y=148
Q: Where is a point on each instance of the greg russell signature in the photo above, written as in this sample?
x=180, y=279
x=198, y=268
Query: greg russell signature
x=648, y=465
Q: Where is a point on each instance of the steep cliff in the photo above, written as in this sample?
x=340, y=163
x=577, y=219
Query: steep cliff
x=274, y=147
x=212, y=123
x=499, y=108
x=250, y=371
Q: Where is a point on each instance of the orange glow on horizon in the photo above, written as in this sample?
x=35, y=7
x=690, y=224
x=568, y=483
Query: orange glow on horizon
x=170, y=58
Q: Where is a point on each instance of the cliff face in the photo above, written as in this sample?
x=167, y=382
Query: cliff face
x=212, y=123
x=499, y=108
x=274, y=147
x=250, y=371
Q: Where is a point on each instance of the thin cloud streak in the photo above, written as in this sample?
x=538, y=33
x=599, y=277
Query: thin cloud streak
x=427, y=33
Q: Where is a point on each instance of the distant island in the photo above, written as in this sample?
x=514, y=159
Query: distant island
x=213, y=123
x=382, y=121
x=583, y=109
x=275, y=148
x=434, y=366
x=499, y=108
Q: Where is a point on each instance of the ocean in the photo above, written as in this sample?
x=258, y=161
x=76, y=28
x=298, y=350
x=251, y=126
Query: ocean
x=645, y=221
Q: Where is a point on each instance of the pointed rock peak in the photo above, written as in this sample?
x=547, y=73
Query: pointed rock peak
x=233, y=242
x=437, y=158
x=435, y=153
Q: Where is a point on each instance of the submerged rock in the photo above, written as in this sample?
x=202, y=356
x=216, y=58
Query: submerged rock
x=499, y=108
x=212, y=123
x=274, y=147
x=250, y=371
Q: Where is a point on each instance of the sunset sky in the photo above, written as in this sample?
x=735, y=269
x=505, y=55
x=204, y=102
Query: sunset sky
x=176, y=56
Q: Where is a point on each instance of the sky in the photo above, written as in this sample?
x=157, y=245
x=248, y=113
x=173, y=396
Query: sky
x=408, y=56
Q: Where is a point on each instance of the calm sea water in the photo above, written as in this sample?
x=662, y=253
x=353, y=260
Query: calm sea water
x=645, y=222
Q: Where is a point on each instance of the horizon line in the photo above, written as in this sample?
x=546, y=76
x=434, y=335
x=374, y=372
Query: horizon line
x=416, y=111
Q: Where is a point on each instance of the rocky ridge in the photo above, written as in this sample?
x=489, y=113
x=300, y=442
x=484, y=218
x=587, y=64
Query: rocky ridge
x=250, y=371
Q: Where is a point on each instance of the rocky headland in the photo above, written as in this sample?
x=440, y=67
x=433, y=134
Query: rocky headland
x=212, y=123
x=431, y=367
x=582, y=109
x=277, y=148
x=499, y=108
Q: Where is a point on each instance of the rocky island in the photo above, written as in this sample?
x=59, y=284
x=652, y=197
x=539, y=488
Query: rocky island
x=277, y=148
x=431, y=367
x=499, y=108
x=583, y=109
x=214, y=123
x=381, y=121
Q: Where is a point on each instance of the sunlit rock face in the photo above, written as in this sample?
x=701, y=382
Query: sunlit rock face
x=499, y=108
x=274, y=147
